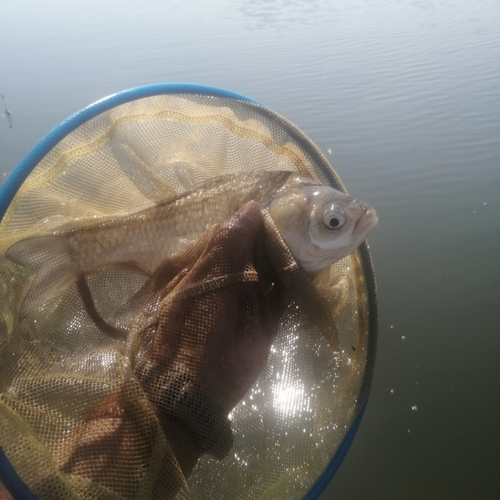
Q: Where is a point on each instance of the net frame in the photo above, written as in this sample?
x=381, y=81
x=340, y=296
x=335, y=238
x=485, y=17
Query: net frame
x=8, y=475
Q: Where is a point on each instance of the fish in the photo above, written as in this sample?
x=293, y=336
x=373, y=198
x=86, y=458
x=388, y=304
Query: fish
x=319, y=224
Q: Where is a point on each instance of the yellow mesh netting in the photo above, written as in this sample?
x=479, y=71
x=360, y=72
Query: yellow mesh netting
x=117, y=377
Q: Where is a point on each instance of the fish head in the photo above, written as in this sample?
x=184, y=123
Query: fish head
x=319, y=224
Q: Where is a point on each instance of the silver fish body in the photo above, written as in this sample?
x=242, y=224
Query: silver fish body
x=149, y=236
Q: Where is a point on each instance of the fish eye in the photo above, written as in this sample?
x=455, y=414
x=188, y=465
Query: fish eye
x=334, y=217
x=334, y=222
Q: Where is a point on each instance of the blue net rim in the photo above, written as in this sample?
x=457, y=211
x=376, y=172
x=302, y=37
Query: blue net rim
x=8, y=475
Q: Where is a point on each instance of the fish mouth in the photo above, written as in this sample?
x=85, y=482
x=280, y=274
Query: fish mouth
x=368, y=221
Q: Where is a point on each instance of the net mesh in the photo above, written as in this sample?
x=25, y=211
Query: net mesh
x=203, y=363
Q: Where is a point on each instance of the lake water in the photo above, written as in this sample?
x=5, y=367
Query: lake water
x=404, y=98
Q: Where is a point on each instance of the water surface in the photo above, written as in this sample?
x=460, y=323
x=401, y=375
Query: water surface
x=403, y=97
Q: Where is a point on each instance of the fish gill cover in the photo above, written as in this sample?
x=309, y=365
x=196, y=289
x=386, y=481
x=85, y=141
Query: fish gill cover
x=161, y=334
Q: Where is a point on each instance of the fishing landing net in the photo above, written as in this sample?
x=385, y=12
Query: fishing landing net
x=224, y=371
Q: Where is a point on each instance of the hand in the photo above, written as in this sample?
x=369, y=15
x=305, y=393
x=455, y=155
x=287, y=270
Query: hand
x=218, y=323
x=214, y=327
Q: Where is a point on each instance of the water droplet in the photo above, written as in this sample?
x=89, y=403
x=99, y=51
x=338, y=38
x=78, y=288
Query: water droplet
x=403, y=337
x=392, y=391
x=392, y=326
x=484, y=203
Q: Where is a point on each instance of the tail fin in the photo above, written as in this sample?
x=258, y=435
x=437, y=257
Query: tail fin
x=50, y=259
